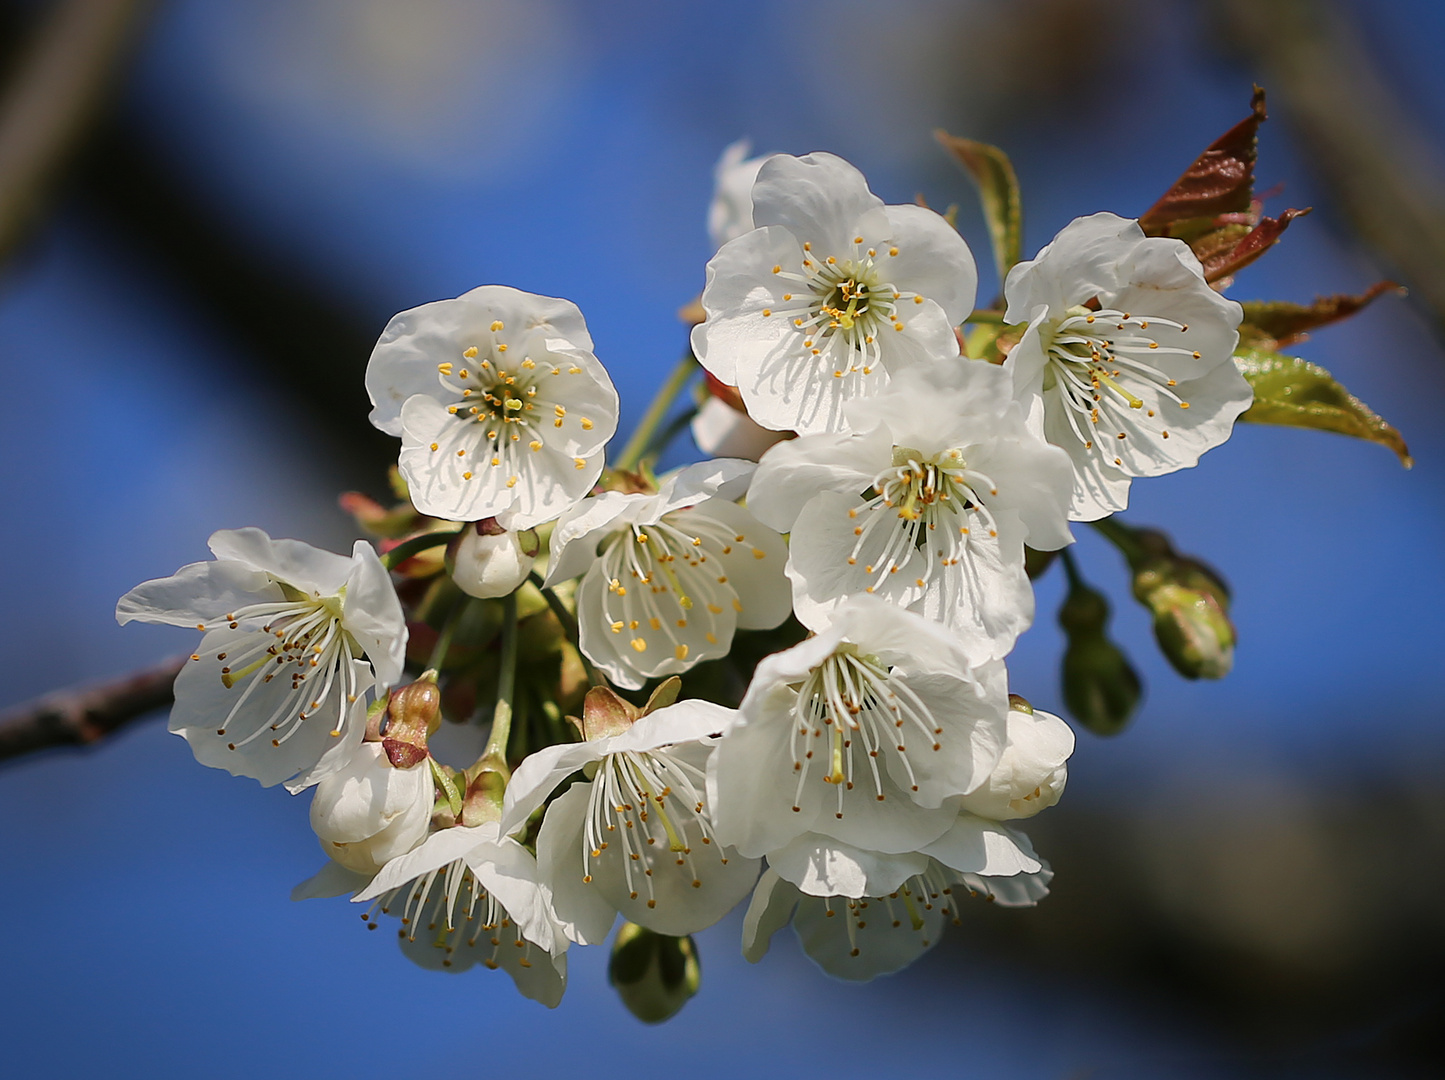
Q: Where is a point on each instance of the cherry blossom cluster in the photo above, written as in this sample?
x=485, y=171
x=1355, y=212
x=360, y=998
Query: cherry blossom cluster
x=875, y=489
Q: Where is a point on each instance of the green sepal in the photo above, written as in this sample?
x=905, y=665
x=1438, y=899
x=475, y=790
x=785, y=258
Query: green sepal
x=998, y=191
x=1295, y=393
x=446, y=786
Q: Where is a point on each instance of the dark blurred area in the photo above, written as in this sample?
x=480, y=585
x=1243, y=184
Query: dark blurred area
x=1282, y=903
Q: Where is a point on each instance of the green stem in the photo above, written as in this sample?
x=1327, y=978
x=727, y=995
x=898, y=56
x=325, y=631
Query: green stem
x=506, y=682
x=993, y=318
x=656, y=412
x=569, y=626
x=1121, y=536
x=444, y=638
x=407, y=548
x=1076, y=580
x=673, y=429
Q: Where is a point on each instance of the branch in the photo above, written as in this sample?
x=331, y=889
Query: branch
x=87, y=715
x=58, y=87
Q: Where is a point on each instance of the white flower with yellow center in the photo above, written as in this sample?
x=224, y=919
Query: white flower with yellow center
x=635, y=836
x=294, y=637
x=667, y=578
x=831, y=296
x=502, y=409
x=927, y=505
x=1127, y=362
x=861, y=938
x=861, y=737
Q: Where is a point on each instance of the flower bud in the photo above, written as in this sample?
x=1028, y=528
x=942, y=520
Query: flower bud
x=1190, y=604
x=1193, y=631
x=1101, y=689
x=372, y=811
x=655, y=975
x=487, y=560
x=1031, y=774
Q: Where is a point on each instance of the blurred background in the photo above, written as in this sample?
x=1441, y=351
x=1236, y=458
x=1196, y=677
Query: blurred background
x=208, y=211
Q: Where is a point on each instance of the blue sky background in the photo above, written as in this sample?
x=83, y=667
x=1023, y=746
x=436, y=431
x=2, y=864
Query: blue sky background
x=401, y=153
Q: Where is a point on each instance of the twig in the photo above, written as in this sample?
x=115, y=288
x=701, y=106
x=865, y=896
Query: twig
x=82, y=716
x=57, y=89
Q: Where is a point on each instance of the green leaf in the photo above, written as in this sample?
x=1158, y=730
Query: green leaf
x=449, y=789
x=1295, y=393
x=998, y=190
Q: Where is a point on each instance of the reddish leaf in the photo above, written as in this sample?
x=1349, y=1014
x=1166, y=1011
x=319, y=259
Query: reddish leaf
x=1220, y=181
x=1286, y=324
x=1259, y=240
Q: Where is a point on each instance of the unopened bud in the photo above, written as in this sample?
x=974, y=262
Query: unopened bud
x=413, y=713
x=1031, y=774
x=655, y=975
x=1190, y=604
x=488, y=561
x=371, y=811
x=1101, y=689
x=1193, y=631
x=486, y=786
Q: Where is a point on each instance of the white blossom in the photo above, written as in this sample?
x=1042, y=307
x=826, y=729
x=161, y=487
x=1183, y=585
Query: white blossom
x=831, y=296
x=731, y=212
x=927, y=504
x=857, y=741
x=471, y=895
x=668, y=577
x=635, y=837
x=861, y=938
x=1127, y=359
x=370, y=811
x=502, y=409
x=294, y=637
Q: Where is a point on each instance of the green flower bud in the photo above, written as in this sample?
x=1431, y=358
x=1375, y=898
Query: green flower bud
x=655, y=975
x=1193, y=631
x=1101, y=689
x=414, y=712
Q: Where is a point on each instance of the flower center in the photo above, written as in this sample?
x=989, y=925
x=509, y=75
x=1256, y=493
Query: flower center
x=300, y=640
x=843, y=306
x=849, y=710
x=922, y=503
x=1097, y=362
x=666, y=588
x=451, y=908
x=504, y=401
x=643, y=804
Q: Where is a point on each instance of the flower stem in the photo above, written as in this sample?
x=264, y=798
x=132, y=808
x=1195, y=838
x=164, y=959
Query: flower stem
x=993, y=318
x=1076, y=580
x=444, y=638
x=506, y=682
x=637, y=445
x=407, y=548
x=1121, y=536
x=569, y=627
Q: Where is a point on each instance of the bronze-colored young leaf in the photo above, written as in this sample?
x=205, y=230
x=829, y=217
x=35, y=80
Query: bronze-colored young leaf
x=1283, y=323
x=1221, y=180
x=1295, y=393
x=1254, y=244
x=998, y=190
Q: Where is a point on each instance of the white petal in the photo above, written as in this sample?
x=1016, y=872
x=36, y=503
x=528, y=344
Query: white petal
x=582, y=911
x=371, y=613
x=823, y=866
x=975, y=845
x=293, y=561
x=196, y=594
x=770, y=909
x=793, y=472
x=754, y=566
x=722, y=431
x=333, y=879
x=818, y=197
x=860, y=940
x=933, y=260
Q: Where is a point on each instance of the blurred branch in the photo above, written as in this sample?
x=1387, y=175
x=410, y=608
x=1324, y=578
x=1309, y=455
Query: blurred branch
x=1383, y=170
x=87, y=715
x=55, y=91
